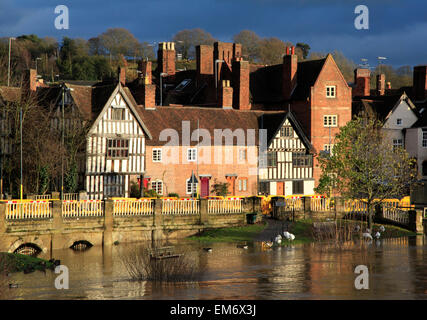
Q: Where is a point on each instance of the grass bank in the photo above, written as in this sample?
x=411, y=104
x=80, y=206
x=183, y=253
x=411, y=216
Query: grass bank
x=302, y=230
x=12, y=262
x=232, y=234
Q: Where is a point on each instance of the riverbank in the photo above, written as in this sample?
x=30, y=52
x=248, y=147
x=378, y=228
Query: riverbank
x=269, y=228
x=13, y=262
x=232, y=234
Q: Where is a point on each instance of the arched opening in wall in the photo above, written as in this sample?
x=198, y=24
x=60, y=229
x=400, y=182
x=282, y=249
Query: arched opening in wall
x=81, y=245
x=28, y=249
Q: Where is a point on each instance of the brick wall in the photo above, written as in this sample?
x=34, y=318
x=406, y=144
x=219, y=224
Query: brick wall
x=166, y=58
x=362, y=78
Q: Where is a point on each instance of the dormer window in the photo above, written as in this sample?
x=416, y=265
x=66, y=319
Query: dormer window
x=331, y=91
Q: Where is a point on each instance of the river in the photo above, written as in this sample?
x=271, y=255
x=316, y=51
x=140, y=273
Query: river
x=397, y=270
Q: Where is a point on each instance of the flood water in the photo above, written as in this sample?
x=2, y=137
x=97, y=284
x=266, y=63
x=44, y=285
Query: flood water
x=397, y=270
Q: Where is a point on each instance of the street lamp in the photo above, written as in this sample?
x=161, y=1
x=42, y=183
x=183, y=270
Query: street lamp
x=216, y=71
x=36, y=64
x=8, y=68
x=163, y=74
x=64, y=88
x=379, y=63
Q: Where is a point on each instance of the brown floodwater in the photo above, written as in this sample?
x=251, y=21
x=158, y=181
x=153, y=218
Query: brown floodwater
x=397, y=270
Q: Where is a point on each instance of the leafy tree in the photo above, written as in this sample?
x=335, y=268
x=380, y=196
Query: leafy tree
x=71, y=178
x=250, y=44
x=220, y=188
x=271, y=50
x=117, y=41
x=187, y=40
x=305, y=48
x=365, y=166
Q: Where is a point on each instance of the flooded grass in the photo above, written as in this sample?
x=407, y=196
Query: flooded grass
x=233, y=234
x=13, y=262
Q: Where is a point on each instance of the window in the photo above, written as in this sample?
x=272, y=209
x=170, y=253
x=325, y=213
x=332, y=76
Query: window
x=286, y=132
x=264, y=187
x=298, y=187
x=329, y=148
x=271, y=159
x=157, y=155
x=330, y=121
x=331, y=91
x=424, y=168
x=300, y=160
x=243, y=184
x=191, y=154
x=114, y=185
x=424, y=139
x=243, y=154
x=117, y=148
x=118, y=113
x=397, y=143
x=399, y=122
x=191, y=187
x=157, y=186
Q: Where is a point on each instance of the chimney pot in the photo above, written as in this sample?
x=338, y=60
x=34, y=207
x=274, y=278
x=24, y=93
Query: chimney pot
x=293, y=50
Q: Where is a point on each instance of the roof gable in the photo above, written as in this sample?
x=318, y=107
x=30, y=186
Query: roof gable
x=129, y=103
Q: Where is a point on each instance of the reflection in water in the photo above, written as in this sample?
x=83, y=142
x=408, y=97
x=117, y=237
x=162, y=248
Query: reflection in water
x=397, y=270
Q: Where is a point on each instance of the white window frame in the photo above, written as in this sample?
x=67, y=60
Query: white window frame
x=191, y=154
x=155, y=186
x=329, y=147
x=243, y=154
x=330, y=120
x=397, y=143
x=190, y=188
x=331, y=91
x=243, y=184
x=157, y=155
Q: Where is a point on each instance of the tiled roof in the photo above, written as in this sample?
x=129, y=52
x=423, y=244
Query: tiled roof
x=209, y=118
x=266, y=82
x=377, y=105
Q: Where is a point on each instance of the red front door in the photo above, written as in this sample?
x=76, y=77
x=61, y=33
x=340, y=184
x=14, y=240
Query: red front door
x=204, y=192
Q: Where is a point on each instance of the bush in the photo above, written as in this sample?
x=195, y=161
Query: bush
x=134, y=190
x=141, y=267
x=173, y=195
x=150, y=193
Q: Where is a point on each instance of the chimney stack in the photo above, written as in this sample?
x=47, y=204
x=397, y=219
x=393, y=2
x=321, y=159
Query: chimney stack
x=362, y=81
x=420, y=82
x=388, y=85
x=240, y=76
x=29, y=82
x=226, y=95
x=144, y=66
x=289, y=76
x=380, y=84
x=166, y=58
x=121, y=71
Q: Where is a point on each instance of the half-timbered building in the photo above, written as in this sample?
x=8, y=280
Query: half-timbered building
x=288, y=169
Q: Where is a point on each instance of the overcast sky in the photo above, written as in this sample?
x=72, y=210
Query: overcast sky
x=397, y=28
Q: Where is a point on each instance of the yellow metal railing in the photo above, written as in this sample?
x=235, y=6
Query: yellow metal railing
x=29, y=209
x=133, y=207
x=82, y=208
x=231, y=205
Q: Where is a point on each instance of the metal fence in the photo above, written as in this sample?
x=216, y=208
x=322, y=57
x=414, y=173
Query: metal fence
x=18, y=210
x=133, y=207
x=390, y=212
x=174, y=206
x=82, y=208
x=216, y=206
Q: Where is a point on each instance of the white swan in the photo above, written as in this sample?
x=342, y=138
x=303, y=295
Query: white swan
x=367, y=235
x=377, y=235
x=278, y=239
x=382, y=229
